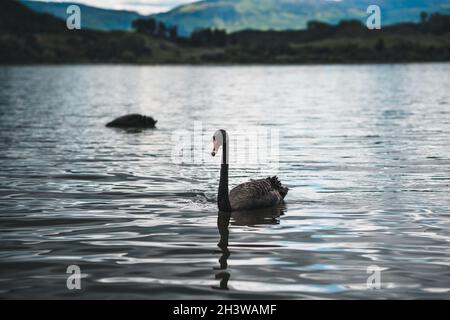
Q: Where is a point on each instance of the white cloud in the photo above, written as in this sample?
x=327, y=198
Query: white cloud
x=141, y=6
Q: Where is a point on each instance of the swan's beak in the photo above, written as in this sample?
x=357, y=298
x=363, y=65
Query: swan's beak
x=215, y=148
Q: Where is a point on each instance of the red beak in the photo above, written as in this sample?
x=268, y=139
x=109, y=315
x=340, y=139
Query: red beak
x=215, y=148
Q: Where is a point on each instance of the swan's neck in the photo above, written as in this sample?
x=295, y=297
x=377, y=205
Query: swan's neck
x=224, y=147
x=222, y=199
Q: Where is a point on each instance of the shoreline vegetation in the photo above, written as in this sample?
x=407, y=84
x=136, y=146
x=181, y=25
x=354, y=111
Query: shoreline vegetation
x=28, y=37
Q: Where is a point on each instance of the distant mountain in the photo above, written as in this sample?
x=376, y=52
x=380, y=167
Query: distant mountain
x=234, y=15
x=91, y=17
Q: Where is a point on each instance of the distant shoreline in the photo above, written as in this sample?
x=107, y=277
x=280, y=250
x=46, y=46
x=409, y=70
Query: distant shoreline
x=130, y=64
x=27, y=37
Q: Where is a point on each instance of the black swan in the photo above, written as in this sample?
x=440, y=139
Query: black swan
x=249, y=195
x=132, y=121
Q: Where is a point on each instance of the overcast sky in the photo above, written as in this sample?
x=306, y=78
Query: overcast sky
x=142, y=6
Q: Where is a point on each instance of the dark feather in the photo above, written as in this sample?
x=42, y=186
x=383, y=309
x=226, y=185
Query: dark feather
x=276, y=184
x=257, y=194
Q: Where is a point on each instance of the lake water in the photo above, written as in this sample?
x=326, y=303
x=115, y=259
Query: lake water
x=365, y=151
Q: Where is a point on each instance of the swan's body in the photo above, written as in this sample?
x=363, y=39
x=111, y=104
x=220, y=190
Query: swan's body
x=254, y=194
x=257, y=194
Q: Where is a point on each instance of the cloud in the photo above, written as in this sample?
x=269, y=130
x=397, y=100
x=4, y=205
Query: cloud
x=141, y=6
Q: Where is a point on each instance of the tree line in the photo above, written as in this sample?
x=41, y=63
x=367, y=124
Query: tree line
x=200, y=37
x=316, y=30
x=156, y=28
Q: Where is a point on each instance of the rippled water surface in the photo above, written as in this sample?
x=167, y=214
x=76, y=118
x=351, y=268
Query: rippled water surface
x=365, y=151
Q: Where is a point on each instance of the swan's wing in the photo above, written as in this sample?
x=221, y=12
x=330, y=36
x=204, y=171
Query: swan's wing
x=257, y=194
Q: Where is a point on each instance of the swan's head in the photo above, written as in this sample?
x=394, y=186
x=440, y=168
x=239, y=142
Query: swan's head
x=217, y=141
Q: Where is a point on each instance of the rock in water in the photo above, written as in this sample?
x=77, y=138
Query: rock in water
x=133, y=121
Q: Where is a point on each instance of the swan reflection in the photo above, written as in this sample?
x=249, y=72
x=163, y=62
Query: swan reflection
x=264, y=216
x=223, y=222
x=267, y=216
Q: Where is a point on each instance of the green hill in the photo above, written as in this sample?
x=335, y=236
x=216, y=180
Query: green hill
x=27, y=36
x=234, y=15
x=92, y=17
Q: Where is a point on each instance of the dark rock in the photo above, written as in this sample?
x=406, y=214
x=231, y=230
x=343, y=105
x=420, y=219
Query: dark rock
x=133, y=121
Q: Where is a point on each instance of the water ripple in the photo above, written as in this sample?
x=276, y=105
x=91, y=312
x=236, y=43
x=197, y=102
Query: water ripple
x=363, y=149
